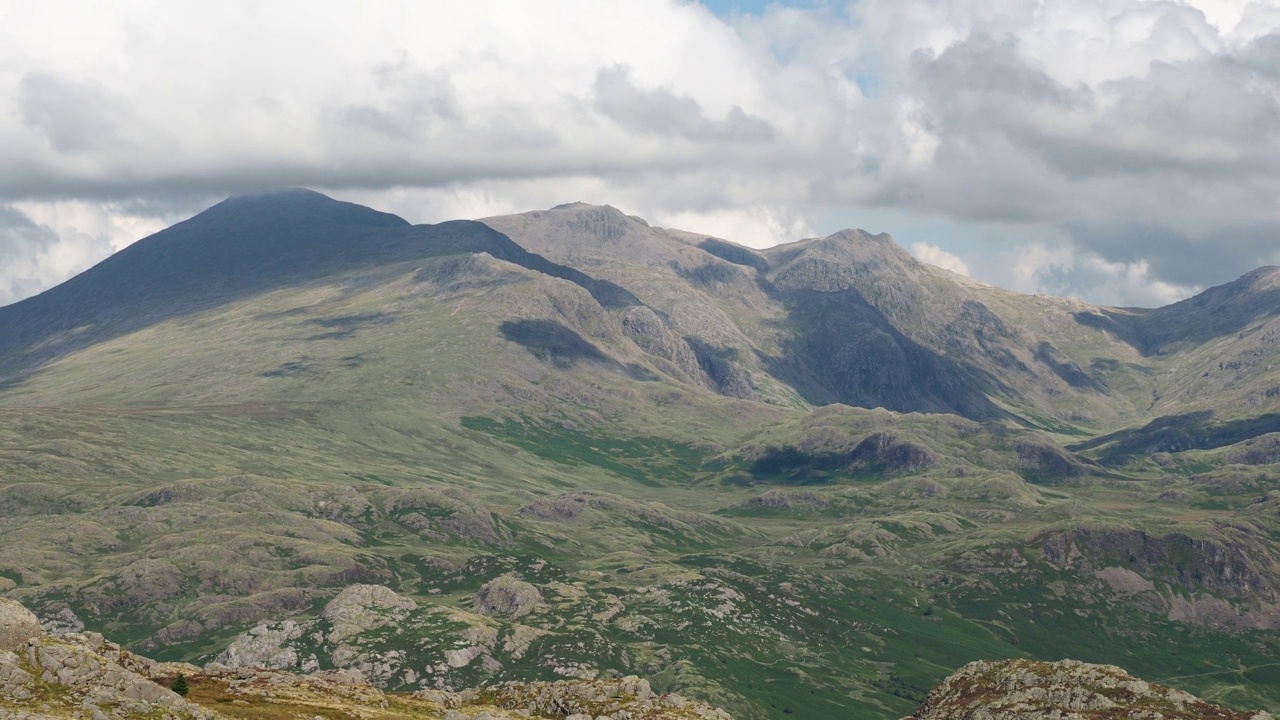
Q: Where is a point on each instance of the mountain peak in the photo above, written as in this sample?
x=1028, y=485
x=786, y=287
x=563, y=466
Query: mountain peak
x=859, y=235
x=1264, y=278
x=296, y=206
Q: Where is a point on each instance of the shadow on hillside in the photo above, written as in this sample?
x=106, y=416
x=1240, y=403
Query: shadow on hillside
x=1177, y=433
x=1215, y=313
x=844, y=350
x=564, y=348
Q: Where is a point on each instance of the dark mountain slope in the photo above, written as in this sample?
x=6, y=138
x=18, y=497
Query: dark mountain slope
x=1214, y=313
x=236, y=249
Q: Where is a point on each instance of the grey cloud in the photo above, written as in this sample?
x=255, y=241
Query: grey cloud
x=409, y=102
x=75, y=117
x=19, y=235
x=1169, y=168
x=1263, y=56
x=972, y=77
x=20, y=241
x=1208, y=117
x=1180, y=257
x=661, y=112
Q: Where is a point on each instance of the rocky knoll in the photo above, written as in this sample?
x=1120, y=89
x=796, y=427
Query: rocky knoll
x=1066, y=690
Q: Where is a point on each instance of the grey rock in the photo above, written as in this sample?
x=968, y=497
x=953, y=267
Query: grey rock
x=507, y=595
x=18, y=625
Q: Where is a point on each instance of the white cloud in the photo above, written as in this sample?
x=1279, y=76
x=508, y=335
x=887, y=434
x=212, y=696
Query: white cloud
x=757, y=226
x=43, y=243
x=1065, y=270
x=934, y=255
x=1149, y=132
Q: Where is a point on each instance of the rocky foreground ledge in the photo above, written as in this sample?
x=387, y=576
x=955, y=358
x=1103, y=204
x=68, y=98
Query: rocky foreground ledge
x=1066, y=690
x=83, y=676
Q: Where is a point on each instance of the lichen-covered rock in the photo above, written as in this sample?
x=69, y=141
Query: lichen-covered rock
x=507, y=595
x=17, y=625
x=1066, y=690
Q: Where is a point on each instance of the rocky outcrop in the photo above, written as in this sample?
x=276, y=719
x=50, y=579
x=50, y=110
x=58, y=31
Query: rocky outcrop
x=507, y=595
x=78, y=675
x=1066, y=690
x=356, y=610
x=452, y=515
x=17, y=626
x=1223, y=580
x=784, y=500
x=646, y=329
x=627, y=698
x=267, y=645
x=360, y=608
x=888, y=455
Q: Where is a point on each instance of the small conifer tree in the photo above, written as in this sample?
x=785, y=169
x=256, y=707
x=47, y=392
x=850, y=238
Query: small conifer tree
x=179, y=685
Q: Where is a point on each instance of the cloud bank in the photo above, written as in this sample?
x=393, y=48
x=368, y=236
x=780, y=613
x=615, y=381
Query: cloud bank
x=1133, y=146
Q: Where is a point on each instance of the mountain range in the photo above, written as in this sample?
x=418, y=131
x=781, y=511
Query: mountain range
x=818, y=477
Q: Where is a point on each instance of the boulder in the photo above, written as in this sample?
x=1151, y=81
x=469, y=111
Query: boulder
x=507, y=595
x=18, y=625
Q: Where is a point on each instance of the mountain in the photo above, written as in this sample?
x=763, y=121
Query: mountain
x=818, y=477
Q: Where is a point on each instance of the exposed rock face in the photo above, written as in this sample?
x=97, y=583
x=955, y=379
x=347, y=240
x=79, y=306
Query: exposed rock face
x=17, y=626
x=266, y=645
x=1066, y=690
x=646, y=329
x=891, y=455
x=46, y=676
x=364, y=607
x=1229, y=580
x=779, y=499
x=507, y=595
x=356, y=610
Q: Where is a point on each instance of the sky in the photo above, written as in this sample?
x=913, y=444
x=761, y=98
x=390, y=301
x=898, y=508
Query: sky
x=1121, y=151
